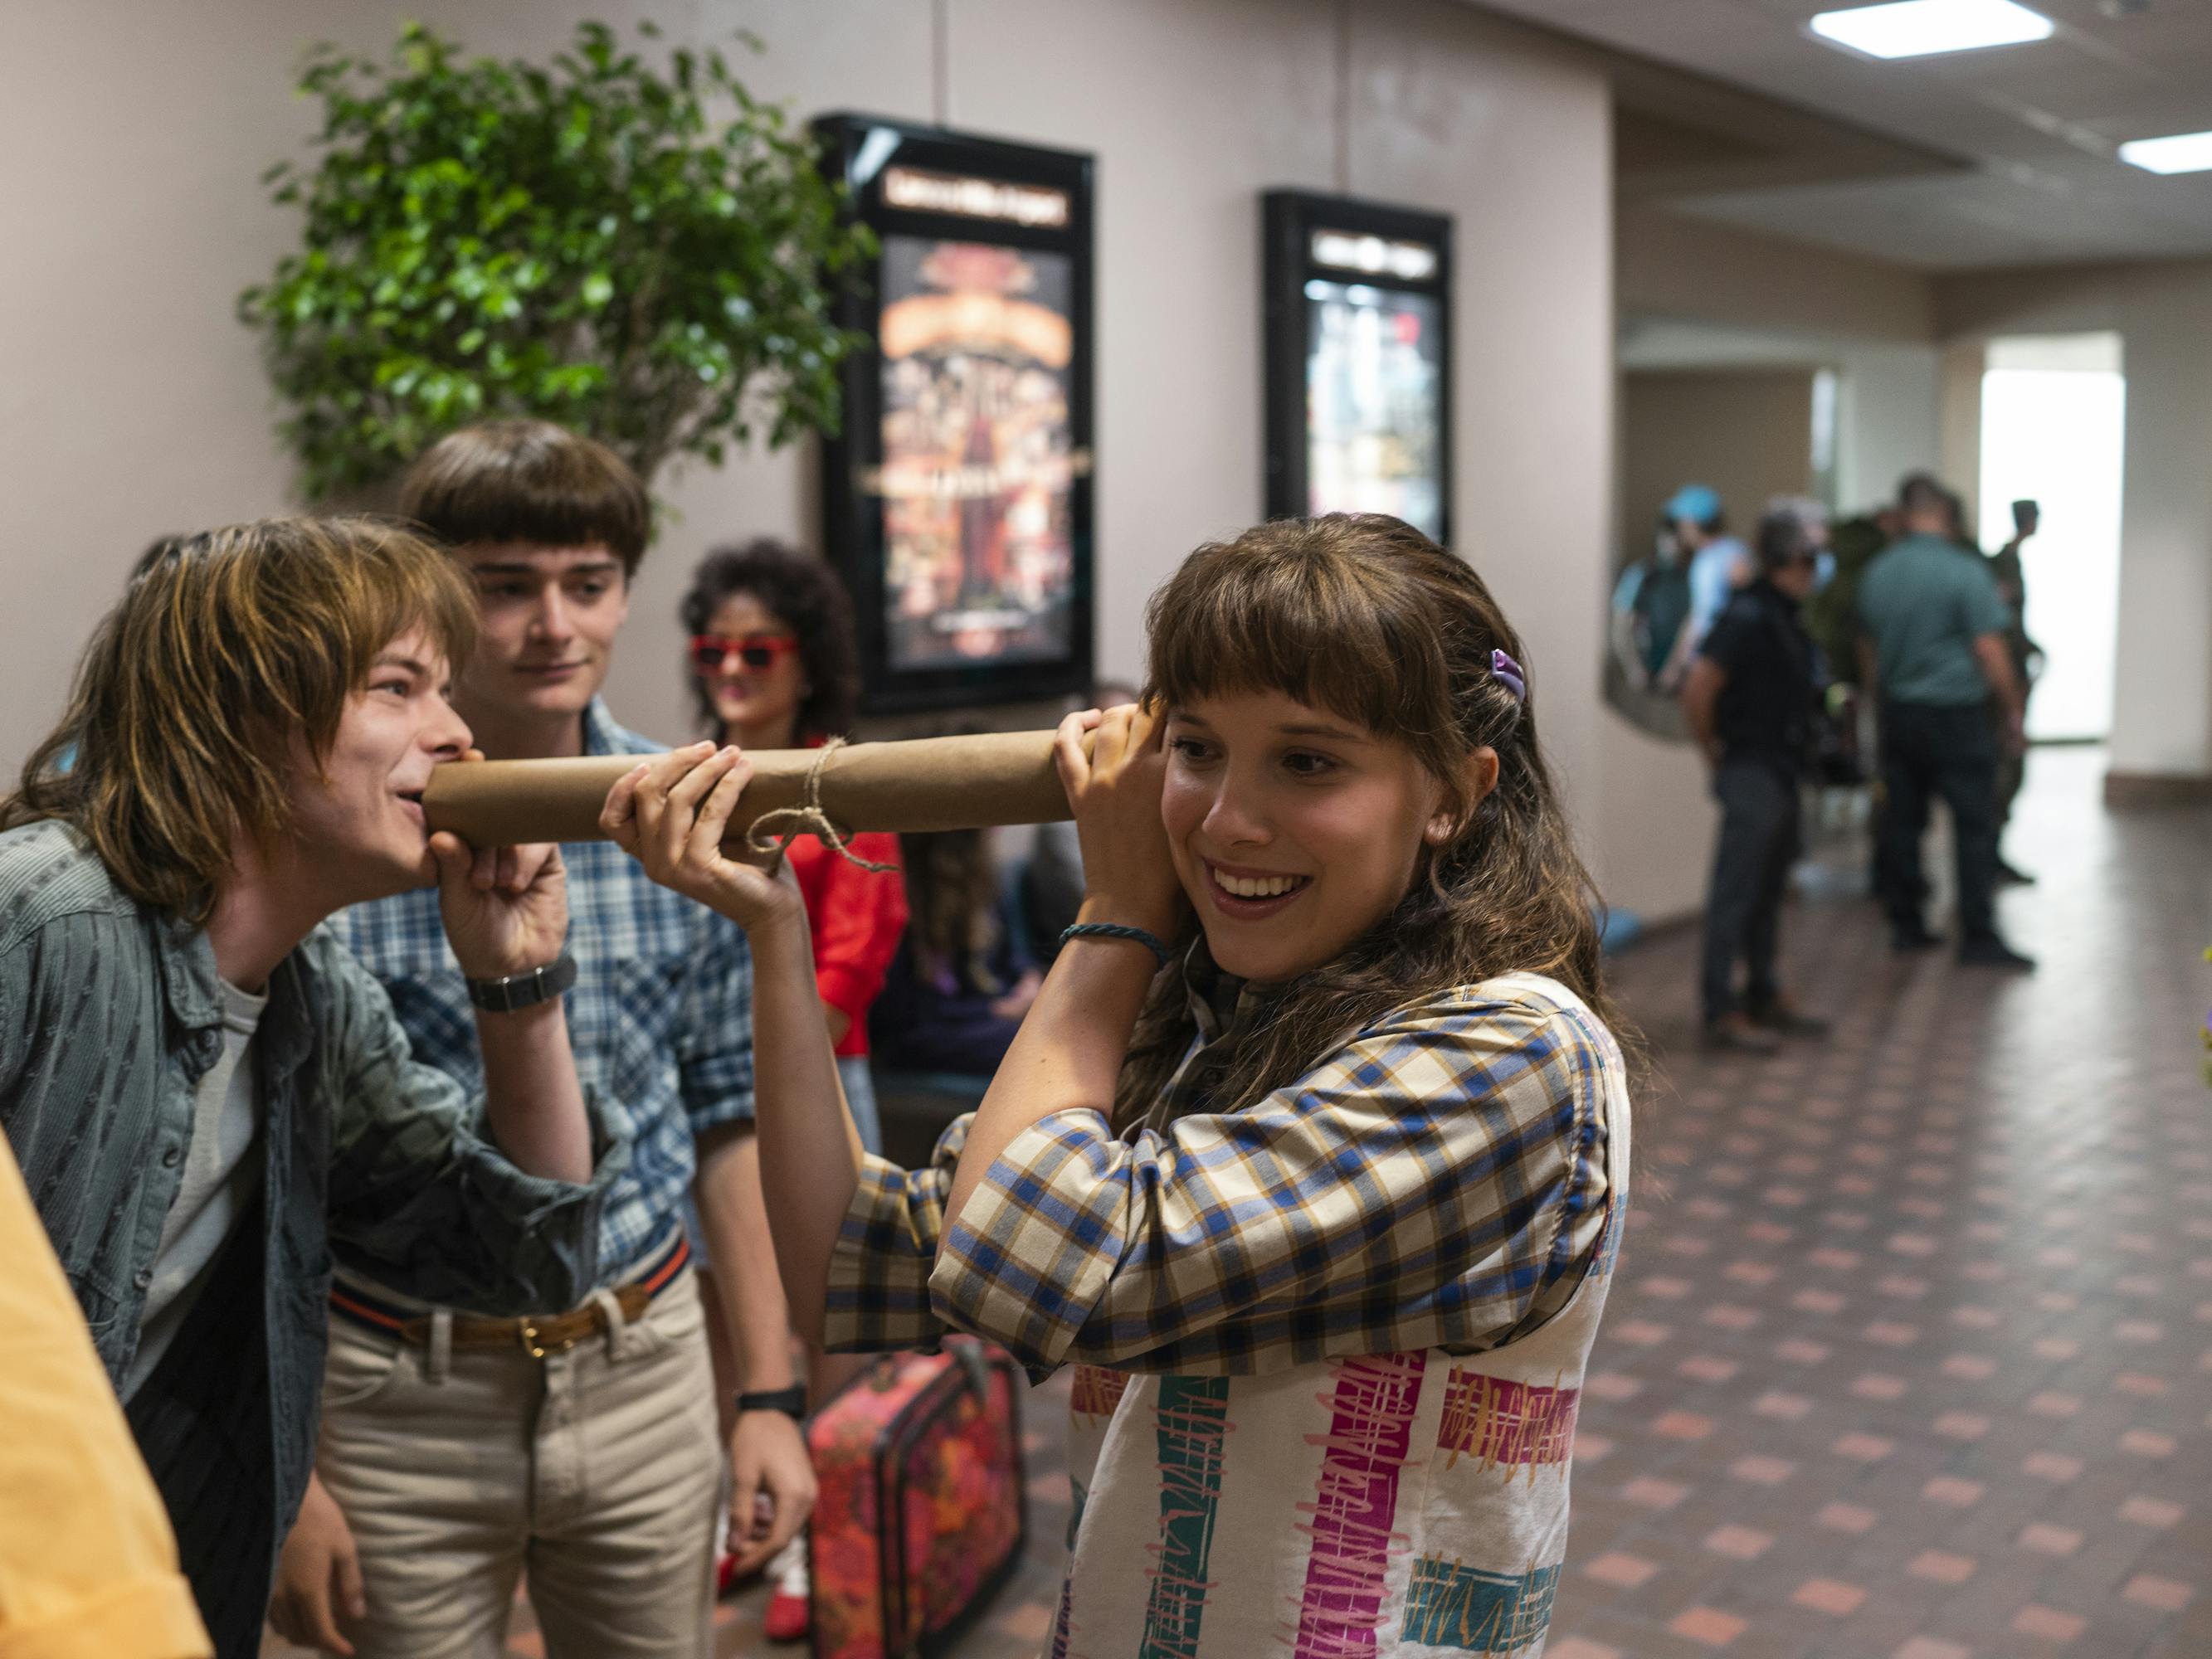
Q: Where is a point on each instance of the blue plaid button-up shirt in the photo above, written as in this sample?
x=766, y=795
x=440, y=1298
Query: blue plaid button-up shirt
x=660, y=1018
x=1439, y=1181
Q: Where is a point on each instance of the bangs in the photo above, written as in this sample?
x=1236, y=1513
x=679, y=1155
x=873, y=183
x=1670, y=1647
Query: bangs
x=1327, y=626
x=528, y=482
x=399, y=583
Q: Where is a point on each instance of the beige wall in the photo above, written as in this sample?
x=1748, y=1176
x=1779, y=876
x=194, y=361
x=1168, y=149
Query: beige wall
x=2162, y=683
x=132, y=404
x=1674, y=266
x=1749, y=433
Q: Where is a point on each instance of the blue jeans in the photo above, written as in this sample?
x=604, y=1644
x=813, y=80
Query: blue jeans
x=860, y=1095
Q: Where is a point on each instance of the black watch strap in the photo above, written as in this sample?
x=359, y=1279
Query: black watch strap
x=791, y=1401
x=504, y=996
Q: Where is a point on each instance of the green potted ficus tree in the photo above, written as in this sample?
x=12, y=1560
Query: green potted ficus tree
x=636, y=254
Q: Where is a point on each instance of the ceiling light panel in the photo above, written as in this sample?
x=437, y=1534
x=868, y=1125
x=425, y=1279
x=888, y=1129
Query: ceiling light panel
x=2184, y=152
x=1917, y=28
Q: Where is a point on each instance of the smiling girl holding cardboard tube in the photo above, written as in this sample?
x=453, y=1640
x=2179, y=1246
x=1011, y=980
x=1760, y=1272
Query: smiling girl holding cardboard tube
x=1321, y=1195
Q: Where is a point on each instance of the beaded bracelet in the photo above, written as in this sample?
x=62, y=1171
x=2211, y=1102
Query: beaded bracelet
x=1115, y=930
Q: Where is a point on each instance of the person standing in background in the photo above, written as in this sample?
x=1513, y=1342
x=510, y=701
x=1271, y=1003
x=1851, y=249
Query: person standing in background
x=1749, y=699
x=1650, y=603
x=1933, y=652
x=963, y=979
x=2026, y=663
x=774, y=665
x=1718, y=564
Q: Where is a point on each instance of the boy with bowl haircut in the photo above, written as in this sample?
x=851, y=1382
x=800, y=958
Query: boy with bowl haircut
x=595, y=1463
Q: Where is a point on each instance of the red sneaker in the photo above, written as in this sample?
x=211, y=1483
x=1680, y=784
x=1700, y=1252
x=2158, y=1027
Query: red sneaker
x=790, y=1609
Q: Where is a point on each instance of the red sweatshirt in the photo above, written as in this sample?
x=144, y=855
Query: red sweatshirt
x=857, y=916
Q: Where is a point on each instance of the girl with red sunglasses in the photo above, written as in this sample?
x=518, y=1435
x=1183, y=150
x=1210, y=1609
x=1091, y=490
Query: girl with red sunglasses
x=774, y=664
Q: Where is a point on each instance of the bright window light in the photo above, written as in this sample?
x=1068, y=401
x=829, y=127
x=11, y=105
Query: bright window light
x=2185, y=152
x=1913, y=28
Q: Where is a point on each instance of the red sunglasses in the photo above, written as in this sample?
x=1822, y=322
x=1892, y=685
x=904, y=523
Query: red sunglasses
x=709, y=652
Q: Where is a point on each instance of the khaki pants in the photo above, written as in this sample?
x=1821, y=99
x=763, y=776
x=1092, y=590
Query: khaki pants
x=598, y=1472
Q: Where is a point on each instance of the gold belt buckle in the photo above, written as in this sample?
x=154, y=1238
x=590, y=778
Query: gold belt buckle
x=536, y=1350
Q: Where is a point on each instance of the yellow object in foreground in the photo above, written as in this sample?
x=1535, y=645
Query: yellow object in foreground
x=87, y=1562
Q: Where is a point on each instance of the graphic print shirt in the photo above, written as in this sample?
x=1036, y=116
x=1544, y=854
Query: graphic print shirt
x=1329, y=1348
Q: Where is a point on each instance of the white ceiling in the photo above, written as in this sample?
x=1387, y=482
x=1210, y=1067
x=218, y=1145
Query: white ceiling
x=2029, y=131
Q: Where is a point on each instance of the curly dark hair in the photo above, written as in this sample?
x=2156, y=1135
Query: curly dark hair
x=806, y=595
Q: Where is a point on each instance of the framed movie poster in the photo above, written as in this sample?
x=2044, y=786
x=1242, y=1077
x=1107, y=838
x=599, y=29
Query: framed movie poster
x=957, y=498
x=1359, y=349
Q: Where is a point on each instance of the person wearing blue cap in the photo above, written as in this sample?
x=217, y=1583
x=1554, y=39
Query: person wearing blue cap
x=1718, y=564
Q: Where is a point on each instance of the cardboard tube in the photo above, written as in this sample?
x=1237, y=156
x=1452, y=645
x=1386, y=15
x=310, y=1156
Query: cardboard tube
x=920, y=784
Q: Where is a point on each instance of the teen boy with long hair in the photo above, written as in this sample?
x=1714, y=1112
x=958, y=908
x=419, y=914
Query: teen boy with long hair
x=207, y=1095
x=594, y=1461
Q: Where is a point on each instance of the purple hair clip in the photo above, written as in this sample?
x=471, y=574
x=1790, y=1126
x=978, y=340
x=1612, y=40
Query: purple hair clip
x=1508, y=674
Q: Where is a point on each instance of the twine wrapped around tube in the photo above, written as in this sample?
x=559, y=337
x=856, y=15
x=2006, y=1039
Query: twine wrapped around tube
x=969, y=782
x=807, y=818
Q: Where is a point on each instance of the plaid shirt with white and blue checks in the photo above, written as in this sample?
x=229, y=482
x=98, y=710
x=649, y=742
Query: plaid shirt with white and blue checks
x=1439, y=1181
x=660, y=1018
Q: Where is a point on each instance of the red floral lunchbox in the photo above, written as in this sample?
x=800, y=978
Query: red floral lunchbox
x=922, y=1508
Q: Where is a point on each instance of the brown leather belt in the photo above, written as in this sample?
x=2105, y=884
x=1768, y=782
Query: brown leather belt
x=538, y=1335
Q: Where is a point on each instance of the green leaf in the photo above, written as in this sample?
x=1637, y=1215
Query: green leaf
x=587, y=238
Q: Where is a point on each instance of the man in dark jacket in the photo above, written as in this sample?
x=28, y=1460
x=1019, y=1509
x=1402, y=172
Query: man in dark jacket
x=1749, y=698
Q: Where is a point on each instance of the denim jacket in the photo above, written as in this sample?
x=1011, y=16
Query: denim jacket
x=111, y=1012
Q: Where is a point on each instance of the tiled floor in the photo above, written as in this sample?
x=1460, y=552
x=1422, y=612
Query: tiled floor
x=1911, y=1353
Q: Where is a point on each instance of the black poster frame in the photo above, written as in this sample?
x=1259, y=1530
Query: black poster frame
x=859, y=150
x=1289, y=219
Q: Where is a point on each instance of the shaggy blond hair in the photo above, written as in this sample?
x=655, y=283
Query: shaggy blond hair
x=227, y=647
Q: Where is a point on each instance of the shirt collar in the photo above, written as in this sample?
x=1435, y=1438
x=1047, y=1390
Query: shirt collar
x=188, y=974
x=1221, y=1003
x=601, y=735
x=194, y=993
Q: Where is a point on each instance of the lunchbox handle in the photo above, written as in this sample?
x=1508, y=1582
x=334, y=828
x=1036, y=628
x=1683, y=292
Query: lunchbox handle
x=977, y=1364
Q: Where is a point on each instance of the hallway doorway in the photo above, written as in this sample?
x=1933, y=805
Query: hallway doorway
x=2053, y=426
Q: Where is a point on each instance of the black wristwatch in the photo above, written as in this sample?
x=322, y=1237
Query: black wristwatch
x=504, y=996
x=791, y=1401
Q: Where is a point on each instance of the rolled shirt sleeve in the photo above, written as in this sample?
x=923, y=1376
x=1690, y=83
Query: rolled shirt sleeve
x=413, y=1183
x=878, y=1300
x=1439, y=1181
